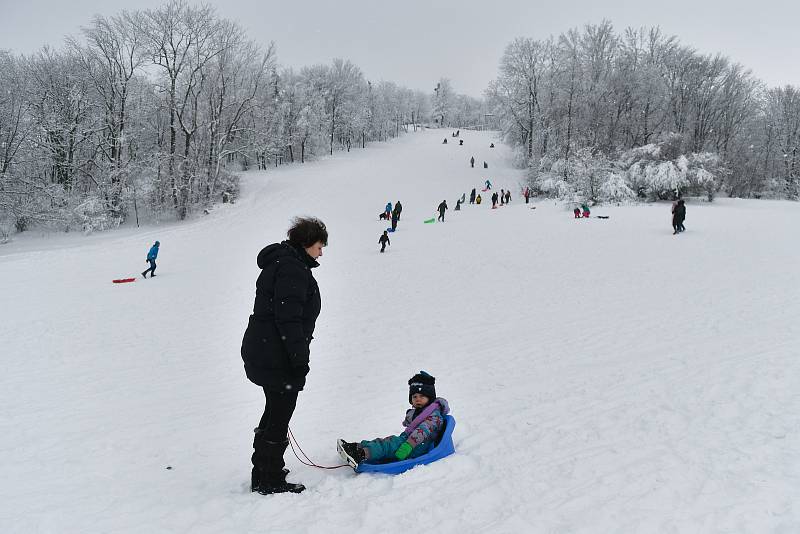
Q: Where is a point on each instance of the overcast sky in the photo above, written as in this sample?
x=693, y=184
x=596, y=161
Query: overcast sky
x=415, y=42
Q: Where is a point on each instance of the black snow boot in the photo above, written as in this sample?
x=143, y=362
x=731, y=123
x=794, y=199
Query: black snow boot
x=144, y=275
x=269, y=474
x=352, y=452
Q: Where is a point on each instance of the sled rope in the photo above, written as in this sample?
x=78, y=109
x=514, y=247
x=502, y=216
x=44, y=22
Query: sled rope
x=308, y=461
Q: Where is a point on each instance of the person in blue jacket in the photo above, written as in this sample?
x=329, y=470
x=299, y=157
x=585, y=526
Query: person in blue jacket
x=423, y=423
x=151, y=257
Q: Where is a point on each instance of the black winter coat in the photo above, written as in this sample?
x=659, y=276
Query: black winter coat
x=275, y=348
x=680, y=212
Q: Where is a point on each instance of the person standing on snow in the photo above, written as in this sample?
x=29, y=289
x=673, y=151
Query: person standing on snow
x=678, y=216
x=527, y=194
x=388, y=210
x=494, y=200
x=398, y=208
x=472, y=196
x=472, y=162
x=383, y=240
x=502, y=196
x=442, y=207
x=275, y=346
x=152, y=254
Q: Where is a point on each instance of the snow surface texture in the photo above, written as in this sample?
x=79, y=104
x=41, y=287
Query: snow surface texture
x=606, y=375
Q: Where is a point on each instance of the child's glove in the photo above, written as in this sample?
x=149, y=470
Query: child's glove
x=403, y=451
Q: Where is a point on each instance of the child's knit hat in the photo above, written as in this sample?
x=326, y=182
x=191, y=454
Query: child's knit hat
x=422, y=383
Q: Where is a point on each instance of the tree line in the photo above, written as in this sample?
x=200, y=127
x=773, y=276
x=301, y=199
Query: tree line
x=149, y=114
x=599, y=115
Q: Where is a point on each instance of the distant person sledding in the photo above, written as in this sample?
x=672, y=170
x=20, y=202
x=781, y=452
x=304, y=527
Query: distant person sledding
x=460, y=142
x=581, y=211
x=425, y=424
x=485, y=165
x=445, y=141
x=488, y=186
x=491, y=145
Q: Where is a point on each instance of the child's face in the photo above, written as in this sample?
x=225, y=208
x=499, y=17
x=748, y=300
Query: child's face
x=418, y=400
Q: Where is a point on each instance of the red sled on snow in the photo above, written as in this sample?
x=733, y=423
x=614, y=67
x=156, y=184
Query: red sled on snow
x=123, y=280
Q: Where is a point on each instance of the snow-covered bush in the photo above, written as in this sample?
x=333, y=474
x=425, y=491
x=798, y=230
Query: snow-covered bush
x=616, y=189
x=92, y=214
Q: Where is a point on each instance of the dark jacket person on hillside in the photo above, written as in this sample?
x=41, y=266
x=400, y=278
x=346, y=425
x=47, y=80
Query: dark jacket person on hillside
x=275, y=348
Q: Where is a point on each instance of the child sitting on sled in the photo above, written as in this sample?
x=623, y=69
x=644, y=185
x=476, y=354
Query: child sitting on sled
x=424, y=423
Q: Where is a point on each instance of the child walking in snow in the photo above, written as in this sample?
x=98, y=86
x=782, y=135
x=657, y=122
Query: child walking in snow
x=151, y=258
x=384, y=240
x=424, y=423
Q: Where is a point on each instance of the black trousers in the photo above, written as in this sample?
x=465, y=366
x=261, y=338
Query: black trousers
x=270, y=440
x=151, y=269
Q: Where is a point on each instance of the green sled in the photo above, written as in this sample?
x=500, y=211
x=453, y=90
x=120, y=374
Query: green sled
x=428, y=221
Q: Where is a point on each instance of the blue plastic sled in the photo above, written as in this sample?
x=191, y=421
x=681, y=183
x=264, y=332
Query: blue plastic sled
x=390, y=229
x=444, y=448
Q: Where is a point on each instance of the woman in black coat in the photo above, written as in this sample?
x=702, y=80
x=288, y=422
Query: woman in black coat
x=275, y=348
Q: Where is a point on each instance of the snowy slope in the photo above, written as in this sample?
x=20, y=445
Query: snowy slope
x=606, y=375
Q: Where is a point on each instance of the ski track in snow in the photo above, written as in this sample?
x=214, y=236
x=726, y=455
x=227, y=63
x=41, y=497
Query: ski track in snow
x=606, y=376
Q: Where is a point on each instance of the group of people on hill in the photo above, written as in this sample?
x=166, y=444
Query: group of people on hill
x=392, y=214
x=472, y=162
x=581, y=212
x=276, y=347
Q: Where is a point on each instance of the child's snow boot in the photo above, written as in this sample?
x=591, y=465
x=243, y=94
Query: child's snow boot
x=352, y=453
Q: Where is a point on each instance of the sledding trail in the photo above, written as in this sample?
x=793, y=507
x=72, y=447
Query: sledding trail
x=606, y=375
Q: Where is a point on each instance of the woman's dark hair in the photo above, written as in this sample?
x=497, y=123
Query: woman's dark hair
x=305, y=231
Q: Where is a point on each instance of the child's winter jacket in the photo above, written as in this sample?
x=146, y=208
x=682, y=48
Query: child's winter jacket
x=153, y=254
x=420, y=434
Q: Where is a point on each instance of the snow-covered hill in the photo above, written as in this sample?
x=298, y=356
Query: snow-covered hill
x=606, y=375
